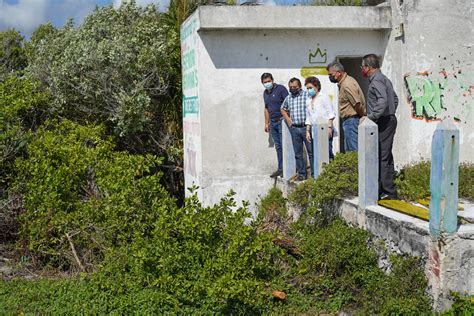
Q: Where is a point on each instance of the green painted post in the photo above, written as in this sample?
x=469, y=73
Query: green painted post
x=444, y=179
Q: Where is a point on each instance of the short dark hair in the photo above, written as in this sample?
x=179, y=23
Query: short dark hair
x=371, y=60
x=314, y=81
x=295, y=79
x=336, y=65
x=266, y=75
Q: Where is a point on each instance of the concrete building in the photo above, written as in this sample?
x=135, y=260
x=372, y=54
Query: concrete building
x=426, y=47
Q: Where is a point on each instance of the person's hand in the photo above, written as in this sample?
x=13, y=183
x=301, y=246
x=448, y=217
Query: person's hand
x=308, y=136
x=267, y=127
x=330, y=131
x=362, y=119
x=289, y=122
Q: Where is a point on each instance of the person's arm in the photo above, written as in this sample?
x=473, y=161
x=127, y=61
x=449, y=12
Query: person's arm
x=357, y=101
x=284, y=112
x=395, y=96
x=308, y=124
x=380, y=92
x=267, y=120
x=329, y=113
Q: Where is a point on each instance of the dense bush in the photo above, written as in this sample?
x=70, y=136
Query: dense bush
x=337, y=270
x=81, y=197
x=338, y=180
x=22, y=107
x=12, y=53
x=192, y=260
x=413, y=181
x=120, y=68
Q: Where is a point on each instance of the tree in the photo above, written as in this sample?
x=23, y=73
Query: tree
x=12, y=53
x=119, y=69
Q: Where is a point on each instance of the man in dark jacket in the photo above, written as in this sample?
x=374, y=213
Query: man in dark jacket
x=382, y=103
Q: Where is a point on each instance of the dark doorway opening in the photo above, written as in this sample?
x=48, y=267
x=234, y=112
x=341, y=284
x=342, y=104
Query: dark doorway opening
x=352, y=68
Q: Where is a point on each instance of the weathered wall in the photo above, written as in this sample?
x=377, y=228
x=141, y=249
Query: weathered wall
x=236, y=153
x=225, y=147
x=432, y=69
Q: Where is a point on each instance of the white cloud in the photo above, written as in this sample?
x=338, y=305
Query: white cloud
x=25, y=15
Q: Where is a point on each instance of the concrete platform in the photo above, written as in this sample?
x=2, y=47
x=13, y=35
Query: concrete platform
x=449, y=262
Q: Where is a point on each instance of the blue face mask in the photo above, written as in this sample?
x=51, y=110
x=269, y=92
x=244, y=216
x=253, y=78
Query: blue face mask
x=311, y=92
x=268, y=85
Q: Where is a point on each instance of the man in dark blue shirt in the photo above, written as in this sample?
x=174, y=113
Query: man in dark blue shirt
x=273, y=96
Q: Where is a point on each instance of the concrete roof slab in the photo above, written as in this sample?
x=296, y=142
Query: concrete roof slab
x=294, y=17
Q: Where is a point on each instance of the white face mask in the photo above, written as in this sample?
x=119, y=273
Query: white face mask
x=268, y=85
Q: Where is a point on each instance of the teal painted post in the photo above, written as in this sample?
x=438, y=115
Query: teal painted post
x=320, y=142
x=444, y=179
x=368, y=160
x=289, y=162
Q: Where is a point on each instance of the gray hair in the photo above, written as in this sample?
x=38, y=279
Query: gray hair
x=337, y=66
x=371, y=60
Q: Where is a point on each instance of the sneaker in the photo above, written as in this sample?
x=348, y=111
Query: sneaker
x=385, y=196
x=276, y=174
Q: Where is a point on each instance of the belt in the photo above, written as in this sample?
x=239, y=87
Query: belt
x=298, y=125
x=348, y=117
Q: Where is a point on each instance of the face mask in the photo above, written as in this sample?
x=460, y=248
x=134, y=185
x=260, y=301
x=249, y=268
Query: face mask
x=294, y=92
x=332, y=79
x=311, y=92
x=268, y=85
x=365, y=71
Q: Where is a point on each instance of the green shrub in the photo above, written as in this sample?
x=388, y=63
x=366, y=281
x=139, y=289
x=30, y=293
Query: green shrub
x=194, y=260
x=22, y=107
x=81, y=197
x=338, y=180
x=463, y=305
x=466, y=181
x=413, y=181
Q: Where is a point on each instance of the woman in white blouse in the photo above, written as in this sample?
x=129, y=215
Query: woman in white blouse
x=318, y=106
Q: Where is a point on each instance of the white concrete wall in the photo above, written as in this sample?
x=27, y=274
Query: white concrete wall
x=235, y=45
x=236, y=152
x=438, y=35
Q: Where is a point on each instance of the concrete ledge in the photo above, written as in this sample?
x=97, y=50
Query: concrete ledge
x=294, y=17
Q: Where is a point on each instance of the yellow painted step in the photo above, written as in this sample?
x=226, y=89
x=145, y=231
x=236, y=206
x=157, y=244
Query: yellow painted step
x=406, y=208
x=427, y=203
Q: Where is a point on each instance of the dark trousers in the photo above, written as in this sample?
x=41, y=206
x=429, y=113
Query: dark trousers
x=275, y=131
x=298, y=137
x=386, y=126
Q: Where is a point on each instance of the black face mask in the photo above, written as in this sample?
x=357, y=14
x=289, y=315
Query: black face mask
x=294, y=92
x=332, y=79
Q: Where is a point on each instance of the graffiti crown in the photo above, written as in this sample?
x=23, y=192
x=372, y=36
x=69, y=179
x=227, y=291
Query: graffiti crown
x=318, y=57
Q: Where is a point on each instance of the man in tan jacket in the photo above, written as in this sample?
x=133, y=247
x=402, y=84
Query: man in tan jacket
x=351, y=103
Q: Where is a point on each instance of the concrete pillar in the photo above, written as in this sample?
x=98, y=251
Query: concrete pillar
x=368, y=152
x=444, y=179
x=320, y=146
x=289, y=162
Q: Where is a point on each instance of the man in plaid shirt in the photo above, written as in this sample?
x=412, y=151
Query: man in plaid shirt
x=295, y=105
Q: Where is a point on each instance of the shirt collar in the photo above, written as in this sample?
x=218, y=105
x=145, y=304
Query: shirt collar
x=374, y=75
x=344, y=76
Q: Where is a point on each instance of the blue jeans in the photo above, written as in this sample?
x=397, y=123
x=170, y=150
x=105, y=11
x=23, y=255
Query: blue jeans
x=275, y=131
x=298, y=137
x=351, y=134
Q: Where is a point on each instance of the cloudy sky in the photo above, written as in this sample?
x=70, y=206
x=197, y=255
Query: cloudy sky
x=27, y=15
